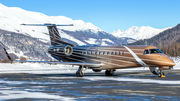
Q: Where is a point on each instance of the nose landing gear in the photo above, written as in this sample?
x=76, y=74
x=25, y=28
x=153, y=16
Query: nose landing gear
x=157, y=71
x=161, y=73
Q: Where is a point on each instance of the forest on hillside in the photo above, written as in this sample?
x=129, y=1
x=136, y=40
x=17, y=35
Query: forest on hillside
x=171, y=50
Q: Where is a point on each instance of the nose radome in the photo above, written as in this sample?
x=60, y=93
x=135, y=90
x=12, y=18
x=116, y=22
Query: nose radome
x=171, y=62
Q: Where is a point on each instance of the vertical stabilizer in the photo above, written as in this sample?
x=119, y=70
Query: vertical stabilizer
x=53, y=33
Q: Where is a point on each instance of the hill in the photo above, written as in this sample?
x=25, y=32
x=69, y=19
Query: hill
x=168, y=41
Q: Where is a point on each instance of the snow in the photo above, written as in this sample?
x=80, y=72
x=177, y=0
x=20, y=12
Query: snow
x=130, y=41
x=12, y=17
x=64, y=35
x=36, y=68
x=91, y=41
x=176, y=67
x=143, y=32
x=104, y=44
x=8, y=93
x=134, y=80
x=13, y=94
x=19, y=54
x=108, y=40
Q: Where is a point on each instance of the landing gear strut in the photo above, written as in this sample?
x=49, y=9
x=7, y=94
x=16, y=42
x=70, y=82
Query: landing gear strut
x=109, y=72
x=80, y=72
x=161, y=73
x=157, y=71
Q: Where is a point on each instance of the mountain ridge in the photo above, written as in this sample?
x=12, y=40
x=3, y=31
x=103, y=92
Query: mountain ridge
x=81, y=33
x=143, y=32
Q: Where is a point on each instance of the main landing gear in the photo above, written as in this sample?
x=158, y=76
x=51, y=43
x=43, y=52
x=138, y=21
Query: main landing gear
x=109, y=72
x=80, y=72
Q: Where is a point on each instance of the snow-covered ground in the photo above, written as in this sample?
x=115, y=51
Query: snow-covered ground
x=33, y=88
x=11, y=94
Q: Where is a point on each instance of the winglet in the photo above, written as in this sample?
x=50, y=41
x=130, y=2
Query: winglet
x=8, y=55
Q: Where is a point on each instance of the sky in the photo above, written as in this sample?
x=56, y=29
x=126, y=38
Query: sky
x=108, y=15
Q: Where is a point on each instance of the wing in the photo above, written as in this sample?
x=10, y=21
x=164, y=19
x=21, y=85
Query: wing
x=95, y=65
x=64, y=63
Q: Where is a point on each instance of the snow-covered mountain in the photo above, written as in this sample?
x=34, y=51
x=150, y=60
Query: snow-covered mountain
x=144, y=32
x=81, y=33
x=12, y=17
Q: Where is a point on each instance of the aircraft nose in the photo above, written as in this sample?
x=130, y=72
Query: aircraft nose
x=167, y=60
x=171, y=62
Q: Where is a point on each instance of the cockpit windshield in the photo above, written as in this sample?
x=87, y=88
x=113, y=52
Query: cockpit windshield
x=152, y=51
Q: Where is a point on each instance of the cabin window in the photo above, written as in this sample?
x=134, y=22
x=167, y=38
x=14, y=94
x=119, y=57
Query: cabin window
x=122, y=53
x=84, y=53
x=88, y=52
x=146, y=51
x=112, y=53
x=99, y=52
x=107, y=53
x=96, y=53
x=115, y=53
x=104, y=53
x=119, y=53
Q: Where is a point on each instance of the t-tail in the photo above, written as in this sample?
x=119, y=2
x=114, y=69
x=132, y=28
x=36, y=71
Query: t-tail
x=53, y=33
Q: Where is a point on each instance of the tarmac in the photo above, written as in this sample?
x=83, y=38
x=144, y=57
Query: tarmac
x=93, y=86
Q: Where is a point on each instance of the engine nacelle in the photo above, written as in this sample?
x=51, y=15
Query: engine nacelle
x=61, y=49
x=68, y=50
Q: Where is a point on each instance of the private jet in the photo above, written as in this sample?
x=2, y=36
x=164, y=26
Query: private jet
x=98, y=58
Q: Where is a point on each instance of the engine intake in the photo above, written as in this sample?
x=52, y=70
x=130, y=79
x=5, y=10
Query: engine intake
x=68, y=50
x=61, y=50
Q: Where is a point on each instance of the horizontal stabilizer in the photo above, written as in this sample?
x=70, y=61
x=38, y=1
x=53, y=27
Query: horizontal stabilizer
x=46, y=24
